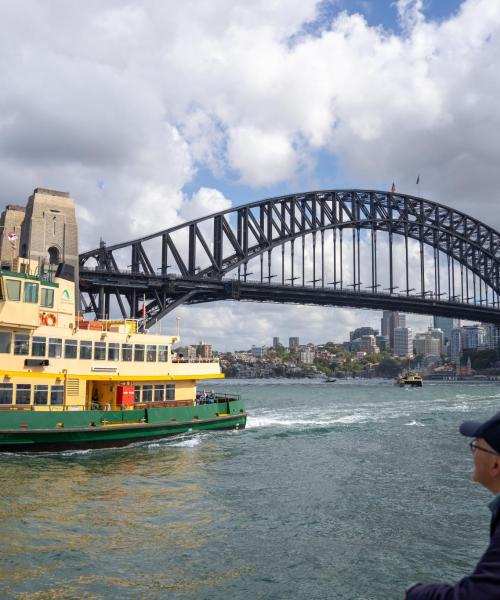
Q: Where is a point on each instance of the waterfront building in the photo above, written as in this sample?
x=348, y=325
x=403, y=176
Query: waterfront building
x=306, y=355
x=293, y=343
x=258, y=351
x=390, y=321
x=446, y=324
x=276, y=342
x=403, y=341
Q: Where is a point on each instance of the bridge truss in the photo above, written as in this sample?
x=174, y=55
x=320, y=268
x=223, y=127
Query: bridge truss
x=357, y=248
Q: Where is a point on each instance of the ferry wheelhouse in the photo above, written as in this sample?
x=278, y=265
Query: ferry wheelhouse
x=70, y=383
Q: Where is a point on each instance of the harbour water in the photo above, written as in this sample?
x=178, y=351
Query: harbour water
x=351, y=490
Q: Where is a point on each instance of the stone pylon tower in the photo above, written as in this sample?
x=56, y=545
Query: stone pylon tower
x=45, y=230
x=49, y=232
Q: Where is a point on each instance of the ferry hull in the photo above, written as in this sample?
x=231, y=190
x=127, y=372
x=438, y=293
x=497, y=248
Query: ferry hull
x=51, y=431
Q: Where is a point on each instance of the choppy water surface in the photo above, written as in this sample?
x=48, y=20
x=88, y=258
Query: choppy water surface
x=342, y=491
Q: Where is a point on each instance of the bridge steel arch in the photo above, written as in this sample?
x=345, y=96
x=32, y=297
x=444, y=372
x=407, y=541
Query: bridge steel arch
x=208, y=259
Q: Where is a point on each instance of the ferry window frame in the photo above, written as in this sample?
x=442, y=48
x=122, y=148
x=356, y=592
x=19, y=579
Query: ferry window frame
x=55, y=344
x=147, y=393
x=113, y=351
x=137, y=394
x=11, y=285
x=41, y=395
x=100, y=351
x=86, y=349
x=23, y=399
x=21, y=344
x=47, y=297
x=159, y=397
x=151, y=352
x=37, y=343
x=30, y=294
x=139, y=351
x=170, y=391
x=127, y=352
x=7, y=343
x=73, y=344
x=1, y=290
x=6, y=392
x=56, y=395
x=162, y=353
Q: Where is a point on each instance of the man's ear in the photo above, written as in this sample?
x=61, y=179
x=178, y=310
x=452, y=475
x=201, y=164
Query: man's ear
x=495, y=467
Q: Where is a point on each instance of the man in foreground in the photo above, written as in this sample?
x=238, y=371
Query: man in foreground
x=484, y=582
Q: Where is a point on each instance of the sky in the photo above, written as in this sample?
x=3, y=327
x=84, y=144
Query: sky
x=154, y=113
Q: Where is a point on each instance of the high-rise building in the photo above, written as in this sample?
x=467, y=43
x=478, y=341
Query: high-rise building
x=446, y=324
x=293, y=343
x=473, y=337
x=368, y=344
x=382, y=342
x=390, y=321
x=456, y=345
x=492, y=336
x=276, y=342
x=403, y=341
x=306, y=356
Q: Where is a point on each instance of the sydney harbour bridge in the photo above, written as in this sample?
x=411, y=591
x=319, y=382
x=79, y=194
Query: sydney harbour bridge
x=349, y=248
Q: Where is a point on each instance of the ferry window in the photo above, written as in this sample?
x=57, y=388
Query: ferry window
x=70, y=348
x=139, y=352
x=55, y=347
x=23, y=393
x=1, y=293
x=38, y=346
x=159, y=393
x=5, y=342
x=41, y=394
x=147, y=393
x=13, y=289
x=31, y=292
x=100, y=351
x=85, y=350
x=151, y=353
x=163, y=353
x=170, y=391
x=113, y=351
x=6, y=393
x=21, y=344
x=127, y=352
x=57, y=395
x=137, y=394
x=47, y=298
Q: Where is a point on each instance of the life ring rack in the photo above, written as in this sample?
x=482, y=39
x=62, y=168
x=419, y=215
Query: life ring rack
x=49, y=319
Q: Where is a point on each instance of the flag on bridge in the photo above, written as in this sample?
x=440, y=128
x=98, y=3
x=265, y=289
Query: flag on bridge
x=418, y=179
x=393, y=187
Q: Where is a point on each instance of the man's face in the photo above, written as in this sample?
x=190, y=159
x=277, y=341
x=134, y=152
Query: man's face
x=486, y=464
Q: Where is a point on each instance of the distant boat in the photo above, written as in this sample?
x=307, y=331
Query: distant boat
x=330, y=380
x=409, y=379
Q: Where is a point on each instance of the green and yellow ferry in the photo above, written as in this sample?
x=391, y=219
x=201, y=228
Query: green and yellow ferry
x=66, y=383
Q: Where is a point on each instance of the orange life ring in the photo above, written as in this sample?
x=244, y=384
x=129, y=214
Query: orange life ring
x=50, y=319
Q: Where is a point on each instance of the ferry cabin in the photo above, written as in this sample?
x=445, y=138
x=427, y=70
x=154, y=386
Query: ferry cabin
x=50, y=360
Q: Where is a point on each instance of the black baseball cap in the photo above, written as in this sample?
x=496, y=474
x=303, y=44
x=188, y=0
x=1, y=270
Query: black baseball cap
x=489, y=430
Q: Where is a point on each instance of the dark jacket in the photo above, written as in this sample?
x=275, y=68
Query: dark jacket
x=483, y=584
